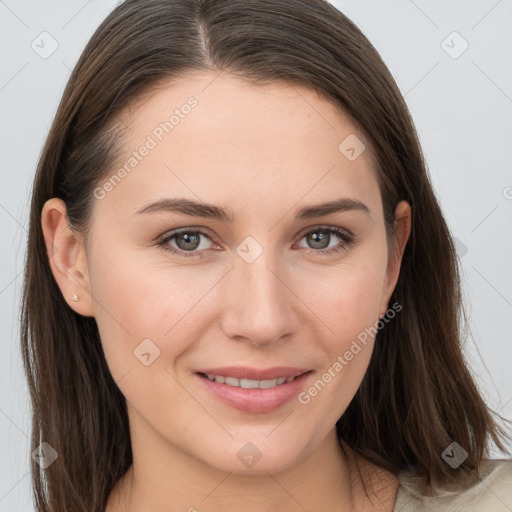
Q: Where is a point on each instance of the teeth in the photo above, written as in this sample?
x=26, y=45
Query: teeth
x=231, y=381
x=249, y=383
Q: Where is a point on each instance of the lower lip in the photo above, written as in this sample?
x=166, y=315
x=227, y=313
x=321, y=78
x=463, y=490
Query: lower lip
x=256, y=400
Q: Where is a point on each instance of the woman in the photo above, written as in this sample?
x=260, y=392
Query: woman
x=240, y=288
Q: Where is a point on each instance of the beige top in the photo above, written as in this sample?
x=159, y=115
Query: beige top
x=492, y=493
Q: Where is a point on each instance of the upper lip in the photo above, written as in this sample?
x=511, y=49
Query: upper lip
x=246, y=372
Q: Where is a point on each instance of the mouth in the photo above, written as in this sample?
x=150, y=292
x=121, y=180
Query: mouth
x=254, y=395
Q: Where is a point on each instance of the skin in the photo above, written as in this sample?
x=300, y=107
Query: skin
x=262, y=152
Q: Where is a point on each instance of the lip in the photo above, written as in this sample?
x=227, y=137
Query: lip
x=256, y=400
x=246, y=372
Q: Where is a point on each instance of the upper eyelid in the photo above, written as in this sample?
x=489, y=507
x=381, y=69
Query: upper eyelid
x=326, y=227
x=206, y=232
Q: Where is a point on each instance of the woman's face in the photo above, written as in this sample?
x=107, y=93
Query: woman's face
x=250, y=284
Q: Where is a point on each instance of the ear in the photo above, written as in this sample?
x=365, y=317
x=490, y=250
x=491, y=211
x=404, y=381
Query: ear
x=67, y=256
x=402, y=232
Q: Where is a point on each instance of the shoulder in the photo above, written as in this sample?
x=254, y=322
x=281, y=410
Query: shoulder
x=491, y=491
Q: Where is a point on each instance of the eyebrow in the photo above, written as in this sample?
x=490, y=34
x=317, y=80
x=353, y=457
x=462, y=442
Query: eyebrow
x=210, y=211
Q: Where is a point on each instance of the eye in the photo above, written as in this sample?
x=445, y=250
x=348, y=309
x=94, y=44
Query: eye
x=187, y=241
x=320, y=238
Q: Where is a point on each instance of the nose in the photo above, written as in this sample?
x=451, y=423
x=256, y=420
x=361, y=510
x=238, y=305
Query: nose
x=260, y=305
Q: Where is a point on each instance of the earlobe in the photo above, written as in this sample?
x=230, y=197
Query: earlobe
x=66, y=256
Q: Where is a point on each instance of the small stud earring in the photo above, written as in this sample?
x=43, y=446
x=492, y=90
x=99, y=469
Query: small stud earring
x=75, y=297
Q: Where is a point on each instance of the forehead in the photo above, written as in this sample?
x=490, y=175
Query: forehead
x=222, y=139
x=224, y=103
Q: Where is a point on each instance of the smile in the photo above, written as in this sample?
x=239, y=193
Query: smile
x=253, y=395
x=249, y=383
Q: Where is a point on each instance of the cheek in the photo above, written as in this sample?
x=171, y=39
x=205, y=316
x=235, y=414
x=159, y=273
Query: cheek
x=348, y=301
x=351, y=312
x=128, y=308
x=142, y=292
x=347, y=354
x=137, y=299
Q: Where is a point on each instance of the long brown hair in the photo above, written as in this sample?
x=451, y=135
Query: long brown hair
x=418, y=395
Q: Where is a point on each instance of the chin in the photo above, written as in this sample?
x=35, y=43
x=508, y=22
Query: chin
x=260, y=456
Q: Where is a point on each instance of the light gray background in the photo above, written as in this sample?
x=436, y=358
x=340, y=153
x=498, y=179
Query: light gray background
x=462, y=108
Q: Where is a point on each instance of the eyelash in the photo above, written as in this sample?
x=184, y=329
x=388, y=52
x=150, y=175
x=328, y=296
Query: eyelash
x=347, y=239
